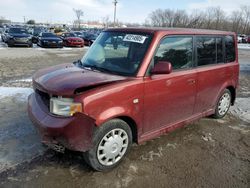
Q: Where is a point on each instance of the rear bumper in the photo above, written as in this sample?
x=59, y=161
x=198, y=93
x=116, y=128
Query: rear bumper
x=74, y=133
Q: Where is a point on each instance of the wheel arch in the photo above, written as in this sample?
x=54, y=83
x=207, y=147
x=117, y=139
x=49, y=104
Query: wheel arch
x=130, y=121
x=233, y=93
x=133, y=126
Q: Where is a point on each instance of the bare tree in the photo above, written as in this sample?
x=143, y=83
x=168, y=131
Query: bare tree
x=79, y=13
x=105, y=21
x=210, y=18
x=246, y=18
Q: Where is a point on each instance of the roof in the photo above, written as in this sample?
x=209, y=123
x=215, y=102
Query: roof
x=172, y=30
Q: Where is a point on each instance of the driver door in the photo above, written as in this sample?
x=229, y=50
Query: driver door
x=170, y=98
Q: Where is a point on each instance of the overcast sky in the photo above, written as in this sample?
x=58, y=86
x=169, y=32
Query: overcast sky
x=61, y=11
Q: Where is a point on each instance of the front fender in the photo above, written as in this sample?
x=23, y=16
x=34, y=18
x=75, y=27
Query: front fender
x=110, y=114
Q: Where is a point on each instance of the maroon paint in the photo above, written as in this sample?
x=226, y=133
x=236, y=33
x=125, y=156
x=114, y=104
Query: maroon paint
x=166, y=101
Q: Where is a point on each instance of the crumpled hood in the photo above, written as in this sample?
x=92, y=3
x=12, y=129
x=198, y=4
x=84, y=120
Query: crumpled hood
x=63, y=80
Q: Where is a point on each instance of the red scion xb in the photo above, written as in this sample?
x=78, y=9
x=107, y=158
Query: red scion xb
x=132, y=85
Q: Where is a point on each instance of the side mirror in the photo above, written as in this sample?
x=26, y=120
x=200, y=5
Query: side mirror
x=162, y=67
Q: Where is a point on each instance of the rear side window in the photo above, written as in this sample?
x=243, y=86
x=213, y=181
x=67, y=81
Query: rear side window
x=206, y=50
x=219, y=50
x=230, y=48
x=176, y=50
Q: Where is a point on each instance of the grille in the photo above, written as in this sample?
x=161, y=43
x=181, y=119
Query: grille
x=45, y=97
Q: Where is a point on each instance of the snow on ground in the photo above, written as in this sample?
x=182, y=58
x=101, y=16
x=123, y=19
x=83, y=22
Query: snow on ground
x=18, y=92
x=23, y=80
x=244, y=46
x=241, y=109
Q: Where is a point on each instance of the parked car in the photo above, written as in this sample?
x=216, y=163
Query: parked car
x=49, y=40
x=1, y=29
x=248, y=39
x=78, y=33
x=242, y=38
x=70, y=39
x=17, y=36
x=4, y=34
x=88, y=38
x=135, y=89
x=36, y=32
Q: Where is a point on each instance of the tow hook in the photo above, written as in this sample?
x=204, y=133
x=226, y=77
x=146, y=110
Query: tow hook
x=56, y=147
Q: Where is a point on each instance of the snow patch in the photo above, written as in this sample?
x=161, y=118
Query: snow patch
x=23, y=80
x=244, y=46
x=241, y=109
x=17, y=92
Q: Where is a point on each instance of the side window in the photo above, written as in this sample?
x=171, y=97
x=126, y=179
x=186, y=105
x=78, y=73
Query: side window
x=206, y=50
x=176, y=50
x=230, y=48
x=219, y=50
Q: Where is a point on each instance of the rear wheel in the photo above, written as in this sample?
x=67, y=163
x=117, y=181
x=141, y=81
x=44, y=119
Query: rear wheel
x=223, y=104
x=111, y=143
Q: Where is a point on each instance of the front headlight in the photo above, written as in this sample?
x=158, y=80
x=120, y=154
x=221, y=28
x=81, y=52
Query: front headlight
x=64, y=106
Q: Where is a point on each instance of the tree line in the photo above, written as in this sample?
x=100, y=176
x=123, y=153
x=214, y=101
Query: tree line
x=209, y=18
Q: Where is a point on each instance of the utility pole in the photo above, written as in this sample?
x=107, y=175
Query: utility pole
x=115, y=3
x=24, y=19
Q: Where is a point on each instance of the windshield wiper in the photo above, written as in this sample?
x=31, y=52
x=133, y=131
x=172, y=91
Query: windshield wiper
x=78, y=62
x=99, y=69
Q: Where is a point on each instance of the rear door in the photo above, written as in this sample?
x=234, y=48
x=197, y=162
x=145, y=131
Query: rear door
x=170, y=98
x=213, y=72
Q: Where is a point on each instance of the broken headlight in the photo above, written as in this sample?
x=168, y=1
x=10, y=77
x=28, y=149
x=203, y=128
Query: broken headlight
x=64, y=106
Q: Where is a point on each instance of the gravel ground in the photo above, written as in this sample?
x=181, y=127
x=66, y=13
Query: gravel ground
x=206, y=153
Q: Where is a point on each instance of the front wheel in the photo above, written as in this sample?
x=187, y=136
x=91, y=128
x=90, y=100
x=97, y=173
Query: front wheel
x=111, y=143
x=223, y=104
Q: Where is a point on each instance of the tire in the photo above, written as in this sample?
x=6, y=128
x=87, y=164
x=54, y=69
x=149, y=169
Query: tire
x=10, y=43
x=113, y=135
x=223, y=104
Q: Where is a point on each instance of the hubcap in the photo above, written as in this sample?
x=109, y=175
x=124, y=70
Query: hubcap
x=112, y=147
x=224, y=104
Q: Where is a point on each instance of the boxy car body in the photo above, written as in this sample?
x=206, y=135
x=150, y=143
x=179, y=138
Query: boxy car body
x=175, y=77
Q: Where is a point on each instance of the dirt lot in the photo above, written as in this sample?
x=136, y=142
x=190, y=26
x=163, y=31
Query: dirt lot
x=206, y=153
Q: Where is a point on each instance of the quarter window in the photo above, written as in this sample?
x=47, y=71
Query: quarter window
x=206, y=50
x=230, y=48
x=177, y=51
x=219, y=50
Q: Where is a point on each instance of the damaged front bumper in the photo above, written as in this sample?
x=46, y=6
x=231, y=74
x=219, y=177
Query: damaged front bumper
x=74, y=133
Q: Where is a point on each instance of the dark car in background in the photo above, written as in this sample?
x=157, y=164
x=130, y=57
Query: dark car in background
x=49, y=40
x=70, y=39
x=17, y=36
x=36, y=32
x=89, y=38
x=78, y=33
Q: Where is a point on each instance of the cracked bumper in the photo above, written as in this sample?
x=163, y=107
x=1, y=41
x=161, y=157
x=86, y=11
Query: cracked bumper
x=74, y=133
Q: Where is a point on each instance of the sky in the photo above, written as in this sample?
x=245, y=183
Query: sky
x=135, y=11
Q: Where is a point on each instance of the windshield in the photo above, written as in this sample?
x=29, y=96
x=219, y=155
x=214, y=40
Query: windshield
x=69, y=35
x=117, y=52
x=48, y=35
x=18, y=30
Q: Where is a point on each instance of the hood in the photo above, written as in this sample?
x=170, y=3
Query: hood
x=73, y=38
x=64, y=80
x=20, y=35
x=51, y=38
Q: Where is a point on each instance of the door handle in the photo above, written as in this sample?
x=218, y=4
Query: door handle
x=191, y=81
